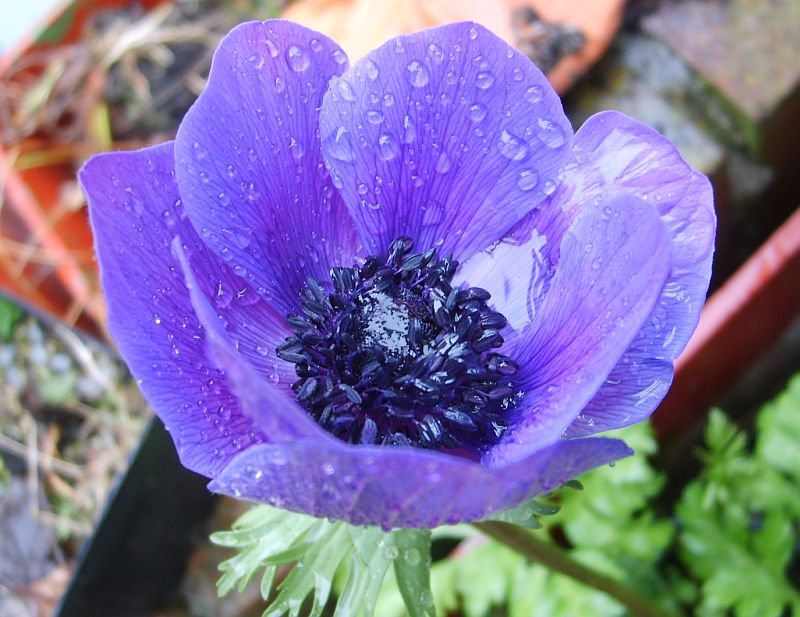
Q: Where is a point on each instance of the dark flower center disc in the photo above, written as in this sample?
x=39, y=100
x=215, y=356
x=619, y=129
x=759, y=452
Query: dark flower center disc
x=395, y=355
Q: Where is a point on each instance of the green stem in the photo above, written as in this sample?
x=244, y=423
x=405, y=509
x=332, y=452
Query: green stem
x=557, y=559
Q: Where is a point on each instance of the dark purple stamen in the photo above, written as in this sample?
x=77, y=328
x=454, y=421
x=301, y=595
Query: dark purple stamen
x=395, y=355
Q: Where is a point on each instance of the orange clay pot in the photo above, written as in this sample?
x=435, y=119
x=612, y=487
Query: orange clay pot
x=46, y=254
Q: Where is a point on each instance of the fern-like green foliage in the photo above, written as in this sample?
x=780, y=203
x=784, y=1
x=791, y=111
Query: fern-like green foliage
x=741, y=516
x=727, y=547
x=315, y=551
x=608, y=523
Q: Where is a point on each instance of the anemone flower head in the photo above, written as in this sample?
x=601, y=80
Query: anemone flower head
x=402, y=293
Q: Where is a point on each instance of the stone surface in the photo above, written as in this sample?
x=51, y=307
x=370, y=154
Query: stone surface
x=748, y=54
x=644, y=79
x=748, y=49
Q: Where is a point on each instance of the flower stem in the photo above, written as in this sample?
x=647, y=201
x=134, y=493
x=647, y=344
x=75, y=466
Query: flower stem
x=557, y=559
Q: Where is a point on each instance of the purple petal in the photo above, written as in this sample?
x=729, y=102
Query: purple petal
x=620, y=153
x=136, y=212
x=448, y=136
x=249, y=162
x=401, y=487
x=275, y=412
x=612, y=265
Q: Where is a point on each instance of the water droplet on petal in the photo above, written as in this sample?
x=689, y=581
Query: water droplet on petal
x=473, y=33
x=549, y=187
x=477, y=112
x=271, y=47
x=410, y=130
x=417, y=74
x=298, y=58
x=374, y=116
x=435, y=52
x=388, y=147
x=512, y=147
x=388, y=99
x=199, y=151
x=257, y=60
x=297, y=149
x=223, y=199
x=550, y=133
x=516, y=74
x=339, y=57
x=362, y=188
x=443, y=163
x=484, y=80
x=371, y=69
x=338, y=145
x=280, y=84
x=315, y=45
x=528, y=179
x=533, y=94
x=346, y=90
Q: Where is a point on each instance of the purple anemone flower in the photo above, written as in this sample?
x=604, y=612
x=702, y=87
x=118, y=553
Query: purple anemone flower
x=402, y=293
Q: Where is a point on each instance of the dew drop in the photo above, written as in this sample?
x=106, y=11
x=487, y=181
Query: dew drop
x=484, y=80
x=528, y=179
x=435, y=52
x=362, y=188
x=473, y=33
x=315, y=45
x=298, y=58
x=371, y=69
x=417, y=74
x=412, y=557
x=533, y=94
x=346, y=90
x=549, y=187
x=443, y=163
x=388, y=99
x=199, y=151
x=374, y=116
x=549, y=133
x=271, y=47
x=280, y=84
x=512, y=147
x=338, y=145
x=297, y=149
x=223, y=199
x=388, y=147
x=409, y=130
x=516, y=74
x=339, y=57
x=477, y=112
x=257, y=60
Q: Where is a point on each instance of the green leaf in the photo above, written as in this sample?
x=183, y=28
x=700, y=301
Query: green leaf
x=740, y=517
x=319, y=552
x=779, y=431
x=10, y=316
x=414, y=548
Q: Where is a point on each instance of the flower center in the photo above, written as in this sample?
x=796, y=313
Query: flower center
x=395, y=355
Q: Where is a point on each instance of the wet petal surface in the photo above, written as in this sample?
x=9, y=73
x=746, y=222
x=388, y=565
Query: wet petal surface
x=249, y=162
x=401, y=487
x=618, y=153
x=136, y=213
x=612, y=265
x=448, y=136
